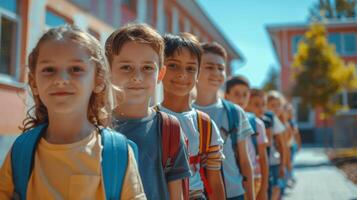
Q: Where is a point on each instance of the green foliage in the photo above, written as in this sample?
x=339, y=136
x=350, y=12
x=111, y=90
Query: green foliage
x=338, y=9
x=319, y=72
x=271, y=83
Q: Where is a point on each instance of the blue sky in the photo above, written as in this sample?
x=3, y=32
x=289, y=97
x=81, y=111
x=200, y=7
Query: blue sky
x=244, y=21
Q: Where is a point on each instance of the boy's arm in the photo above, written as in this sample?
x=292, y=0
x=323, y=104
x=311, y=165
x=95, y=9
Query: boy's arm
x=247, y=169
x=264, y=166
x=215, y=180
x=175, y=190
x=6, y=183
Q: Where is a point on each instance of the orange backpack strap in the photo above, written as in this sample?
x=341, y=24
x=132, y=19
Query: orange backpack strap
x=205, y=130
x=170, y=141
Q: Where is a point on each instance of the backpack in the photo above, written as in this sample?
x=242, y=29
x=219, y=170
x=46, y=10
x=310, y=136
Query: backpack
x=205, y=133
x=233, y=123
x=253, y=124
x=114, y=160
x=170, y=142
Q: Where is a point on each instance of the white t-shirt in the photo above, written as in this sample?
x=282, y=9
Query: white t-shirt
x=261, y=139
x=277, y=129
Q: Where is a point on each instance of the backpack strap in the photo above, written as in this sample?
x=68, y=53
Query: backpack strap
x=205, y=131
x=22, y=157
x=253, y=124
x=115, y=161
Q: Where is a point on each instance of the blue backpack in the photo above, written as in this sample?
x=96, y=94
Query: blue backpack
x=253, y=124
x=114, y=160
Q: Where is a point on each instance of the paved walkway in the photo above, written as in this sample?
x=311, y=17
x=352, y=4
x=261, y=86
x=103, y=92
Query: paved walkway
x=317, y=179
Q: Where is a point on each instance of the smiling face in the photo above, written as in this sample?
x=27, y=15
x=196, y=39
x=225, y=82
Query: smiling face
x=64, y=77
x=135, y=70
x=181, y=72
x=212, y=73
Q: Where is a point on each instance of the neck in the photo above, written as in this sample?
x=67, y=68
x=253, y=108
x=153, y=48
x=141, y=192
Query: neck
x=133, y=111
x=68, y=128
x=206, y=98
x=176, y=103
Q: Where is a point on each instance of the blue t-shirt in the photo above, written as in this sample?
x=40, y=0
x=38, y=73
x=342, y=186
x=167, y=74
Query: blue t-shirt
x=145, y=133
x=233, y=180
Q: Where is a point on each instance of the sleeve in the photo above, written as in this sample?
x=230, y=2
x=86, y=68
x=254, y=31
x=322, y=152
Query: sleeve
x=262, y=136
x=244, y=128
x=181, y=166
x=215, y=150
x=278, y=127
x=6, y=183
x=132, y=187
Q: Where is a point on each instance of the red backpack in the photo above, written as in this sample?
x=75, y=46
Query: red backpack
x=170, y=141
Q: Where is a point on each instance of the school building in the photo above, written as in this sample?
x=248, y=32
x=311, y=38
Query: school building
x=341, y=129
x=24, y=21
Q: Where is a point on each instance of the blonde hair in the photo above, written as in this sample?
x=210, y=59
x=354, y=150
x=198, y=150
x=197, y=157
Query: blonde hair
x=99, y=103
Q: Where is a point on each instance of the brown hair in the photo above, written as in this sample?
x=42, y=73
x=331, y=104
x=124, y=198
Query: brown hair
x=215, y=48
x=175, y=43
x=98, y=107
x=236, y=80
x=257, y=93
x=141, y=33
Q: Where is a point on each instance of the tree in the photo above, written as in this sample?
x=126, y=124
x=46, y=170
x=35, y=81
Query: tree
x=271, y=83
x=338, y=9
x=319, y=72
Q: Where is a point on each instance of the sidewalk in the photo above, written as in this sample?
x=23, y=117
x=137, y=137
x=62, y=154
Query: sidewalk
x=318, y=179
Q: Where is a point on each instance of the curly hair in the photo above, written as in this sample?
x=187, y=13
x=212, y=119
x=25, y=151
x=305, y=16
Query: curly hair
x=99, y=109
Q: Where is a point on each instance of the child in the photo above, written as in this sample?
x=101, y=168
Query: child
x=211, y=78
x=64, y=152
x=237, y=91
x=274, y=130
x=135, y=54
x=182, y=59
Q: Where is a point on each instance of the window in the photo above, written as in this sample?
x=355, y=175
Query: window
x=53, y=19
x=9, y=35
x=150, y=12
x=345, y=44
x=352, y=100
x=349, y=44
x=295, y=41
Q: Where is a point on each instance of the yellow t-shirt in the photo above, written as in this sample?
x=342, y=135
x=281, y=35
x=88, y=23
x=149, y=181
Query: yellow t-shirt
x=70, y=171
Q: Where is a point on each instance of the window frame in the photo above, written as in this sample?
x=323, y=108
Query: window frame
x=13, y=77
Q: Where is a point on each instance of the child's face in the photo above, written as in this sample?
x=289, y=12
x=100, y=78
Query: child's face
x=275, y=106
x=239, y=94
x=135, y=70
x=64, y=77
x=212, y=72
x=181, y=73
x=256, y=105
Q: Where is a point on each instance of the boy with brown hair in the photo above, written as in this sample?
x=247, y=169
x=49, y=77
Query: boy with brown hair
x=238, y=91
x=135, y=54
x=182, y=60
x=231, y=120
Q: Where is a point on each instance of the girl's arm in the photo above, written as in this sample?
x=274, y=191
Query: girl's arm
x=6, y=183
x=247, y=169
x=175, y=189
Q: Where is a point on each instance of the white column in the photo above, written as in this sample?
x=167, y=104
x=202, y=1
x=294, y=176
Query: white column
x=345, y=98
x=160, y=23
x=117, y=13
x=37, y=20
x=175, y=21
x=141, y=11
